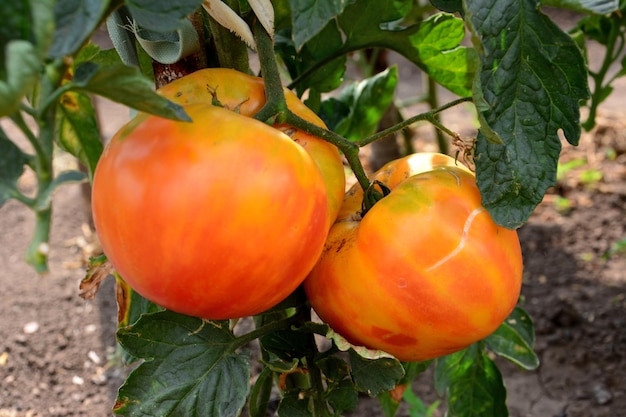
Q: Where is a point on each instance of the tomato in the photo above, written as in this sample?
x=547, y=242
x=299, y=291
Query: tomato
x=245, y=95
x=426, y=272
x=220, y=218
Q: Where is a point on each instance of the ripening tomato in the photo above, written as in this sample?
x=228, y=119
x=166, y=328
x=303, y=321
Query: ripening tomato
x=426, y=272
x=245, y=95
x=219, y=218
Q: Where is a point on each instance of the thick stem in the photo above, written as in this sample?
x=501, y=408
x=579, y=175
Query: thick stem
x=37, y=252
x=275, y=105
x=231, y=51
x=275, y=108
x=349, y=149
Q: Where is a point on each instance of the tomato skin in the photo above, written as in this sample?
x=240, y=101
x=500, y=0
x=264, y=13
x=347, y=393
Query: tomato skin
x=220, y=218
x=426, y=272
x=245, y=94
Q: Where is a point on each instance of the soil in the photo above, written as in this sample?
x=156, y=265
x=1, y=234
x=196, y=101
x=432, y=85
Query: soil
x=58, y=355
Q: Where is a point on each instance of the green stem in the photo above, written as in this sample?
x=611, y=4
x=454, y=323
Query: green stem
x=53, y=98
x=349, y=148
x=320, y=409
x=275, y=105
x=265, y=329
x=275, y=108
x=309, y=71
x=598, y=78
x=37, y=252
x=429, y=116
x=433, y=102
x=232, y=52
x=40, y=154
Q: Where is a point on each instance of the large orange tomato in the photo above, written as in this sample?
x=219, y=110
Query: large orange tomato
x=220, y=218
x=426, y=272
x=245, y=95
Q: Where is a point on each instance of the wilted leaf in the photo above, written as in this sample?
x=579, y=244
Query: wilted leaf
x=77, y=129
x=99, y=269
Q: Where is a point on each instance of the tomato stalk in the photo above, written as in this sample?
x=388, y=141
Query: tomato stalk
x=231, y=51
x=42, y=143
x=429, y=116
x=275, y=108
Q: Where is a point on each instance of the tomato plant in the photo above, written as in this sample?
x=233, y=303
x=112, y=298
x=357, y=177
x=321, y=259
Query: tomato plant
x=195, y=202
x=198, y=198
x=426, y=272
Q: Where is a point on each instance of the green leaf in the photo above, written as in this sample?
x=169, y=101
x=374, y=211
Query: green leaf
x=532, y=79
x=434, y=44
x=77, y=129
x=334, y=368
x=450, y=6
x=316, y=61
x=191, y=368
x=585, y=6
x=161, y=15
x=12, y=161
x=341, y=393
x=367, y=100
x=292, y=406
x=472, y=384
x=126, y=85
x=130, y=307
x=288, y=344
x=374, y=376
x=261, y=392
x=16, y=24
x=514, y=340
x=309, y=17
x=342, y=397
x=44, y=26
x=22, y=72
x=390, y=403
x=76, y=20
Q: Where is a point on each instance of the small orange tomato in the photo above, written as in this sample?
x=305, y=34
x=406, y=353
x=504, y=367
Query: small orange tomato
x=426, y=272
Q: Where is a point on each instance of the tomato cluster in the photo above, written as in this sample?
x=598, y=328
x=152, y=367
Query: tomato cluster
x=222, y=217
x=225, y=216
